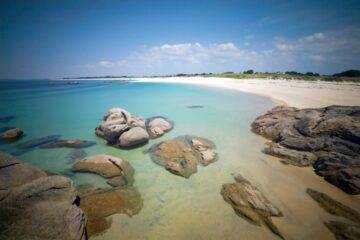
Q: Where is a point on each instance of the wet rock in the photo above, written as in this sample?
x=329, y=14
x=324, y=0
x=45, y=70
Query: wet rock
x=249, y=203
x=68, y=144
x=181, y=155
x=326, y=138
x=37, y=142
x=343, y=231
x=121, y=129
x=294, y=157
x=334, y=207
x=12, y=134
x=134, y=137
x=99, y=205
x=108, y=167
x=158, y=126
x=36, y=206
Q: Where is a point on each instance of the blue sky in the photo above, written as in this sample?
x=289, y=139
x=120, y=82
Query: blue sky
x=40, y=39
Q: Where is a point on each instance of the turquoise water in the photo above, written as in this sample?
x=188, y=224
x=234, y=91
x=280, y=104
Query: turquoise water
x=174, y=207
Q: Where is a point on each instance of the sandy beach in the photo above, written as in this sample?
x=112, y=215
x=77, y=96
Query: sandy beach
x=300, y=94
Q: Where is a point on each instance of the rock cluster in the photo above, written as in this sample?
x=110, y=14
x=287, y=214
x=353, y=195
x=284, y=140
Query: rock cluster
x=34, y=205
x=341, y=230
x=181, y=155
x=118, y=172
x=121, y=129
x=249, y=203
x=326, y=138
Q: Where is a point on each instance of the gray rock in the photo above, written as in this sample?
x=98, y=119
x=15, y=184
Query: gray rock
x=134, y=137
x=121, y=129
x=250, y=204
x=325, y=138
x=37, y=206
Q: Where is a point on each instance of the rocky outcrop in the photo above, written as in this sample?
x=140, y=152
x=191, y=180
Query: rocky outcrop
x=34, y=205
x=249, y=203
x=101, y=204
x=118, y=172
x=158, y=126
x=181, y=155
x=121, y=129
x=341, y=230
x=68, y=144
x=12, y=134
x=326, y=138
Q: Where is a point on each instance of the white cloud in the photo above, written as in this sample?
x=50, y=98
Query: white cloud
x=320, y=47
x=106, y=64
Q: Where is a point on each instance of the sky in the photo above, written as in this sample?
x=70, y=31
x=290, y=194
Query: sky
x=50, y=39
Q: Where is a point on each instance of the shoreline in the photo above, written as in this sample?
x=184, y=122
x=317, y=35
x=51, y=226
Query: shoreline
x=294, y=93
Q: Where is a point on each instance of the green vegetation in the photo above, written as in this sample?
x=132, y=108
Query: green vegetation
x=349, y=76
x=348, y=73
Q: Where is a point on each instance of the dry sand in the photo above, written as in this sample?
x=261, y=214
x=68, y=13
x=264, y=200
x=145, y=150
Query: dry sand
x=295, y=93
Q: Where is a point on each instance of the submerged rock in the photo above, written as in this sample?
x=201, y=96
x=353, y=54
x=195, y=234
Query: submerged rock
x=181, y=155
x=119, y=172
x=326, y=138
x=36, y=206
x=249, y=203
x=37, y=142
x=6, y=119
x=12, y=134
x=158, y=126
x=334, y=207
x=68, y=144
x=195, y=106
x=101, y=204
x=341, y=230
x=76, y=154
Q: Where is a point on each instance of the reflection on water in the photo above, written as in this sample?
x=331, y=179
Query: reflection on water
x=173, y=207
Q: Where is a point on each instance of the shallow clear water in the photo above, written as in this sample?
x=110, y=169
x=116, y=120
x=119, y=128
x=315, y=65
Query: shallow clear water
x=174, y=207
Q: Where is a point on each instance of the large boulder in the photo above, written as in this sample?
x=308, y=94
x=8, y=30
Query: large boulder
x=326, y=138
x=181, y=155
x=118, y=172
x=34, y=205
x=250, y=204
x=158, y=126
x=99, y=205
x=133, y=137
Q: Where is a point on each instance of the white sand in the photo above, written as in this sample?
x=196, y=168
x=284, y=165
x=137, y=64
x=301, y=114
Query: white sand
x=296, y=93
